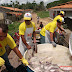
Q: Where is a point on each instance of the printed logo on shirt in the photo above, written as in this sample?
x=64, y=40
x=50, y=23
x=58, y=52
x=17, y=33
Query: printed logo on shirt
x=29, y=34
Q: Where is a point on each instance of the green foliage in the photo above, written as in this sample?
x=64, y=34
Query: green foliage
x=13, y=28
x=34, y=5
x=28, y=5
x=64, y=1
x=43, y=14
x=52, y=4
x=55, y=3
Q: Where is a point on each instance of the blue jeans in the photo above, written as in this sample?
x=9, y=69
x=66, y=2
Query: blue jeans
x=9, y=67
x=42, y=39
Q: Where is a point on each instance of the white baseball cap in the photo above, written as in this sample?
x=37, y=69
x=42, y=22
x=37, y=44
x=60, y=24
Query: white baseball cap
x=61, y=19
x=27, y=16
x=62, y=12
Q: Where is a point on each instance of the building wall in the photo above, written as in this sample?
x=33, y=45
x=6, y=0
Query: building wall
x=68, y=14
x=4, y=10
x=51, y=13
x=1, y=16
x=10, y=16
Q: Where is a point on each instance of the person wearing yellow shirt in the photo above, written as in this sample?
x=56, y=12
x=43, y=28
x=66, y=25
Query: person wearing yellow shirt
x=26, y=30
x=47, y=32
x=2, y=62
x=61, y=14
x=6, y=39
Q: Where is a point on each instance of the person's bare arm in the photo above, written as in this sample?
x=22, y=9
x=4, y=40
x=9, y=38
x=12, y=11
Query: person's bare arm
x=62, y=29
x=18, y=52
x=34, y=36
x=24, y=61
x=51, y=36
x=52, y=41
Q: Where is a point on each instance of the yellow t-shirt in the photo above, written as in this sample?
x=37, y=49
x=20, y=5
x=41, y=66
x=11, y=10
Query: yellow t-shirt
x=57, y=17
x=50, y=27
x=22, y=27
x=8, y=40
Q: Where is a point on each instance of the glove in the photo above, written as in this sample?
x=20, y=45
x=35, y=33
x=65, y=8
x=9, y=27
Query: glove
x=2, y=61
x=24, y=61
x=54, y=44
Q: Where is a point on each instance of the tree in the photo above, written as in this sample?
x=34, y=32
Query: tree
x=16, y=4
x=22, y=6
x=52, y=4
x=55, y=3
x=42, y=5
x=34, y=5
x=29, y=5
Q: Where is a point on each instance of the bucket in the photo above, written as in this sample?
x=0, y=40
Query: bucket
x=56, y=55
x=26, y=56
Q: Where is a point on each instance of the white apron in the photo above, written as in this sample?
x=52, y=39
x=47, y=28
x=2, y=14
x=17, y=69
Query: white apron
x=28, y=37
x=47, y=35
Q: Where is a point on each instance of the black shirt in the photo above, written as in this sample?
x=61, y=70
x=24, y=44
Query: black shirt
x=41, y=25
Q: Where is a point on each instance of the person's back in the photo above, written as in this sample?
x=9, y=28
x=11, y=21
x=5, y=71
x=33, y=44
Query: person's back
x=61, y=14
x=50, y=27
x=57, y=17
